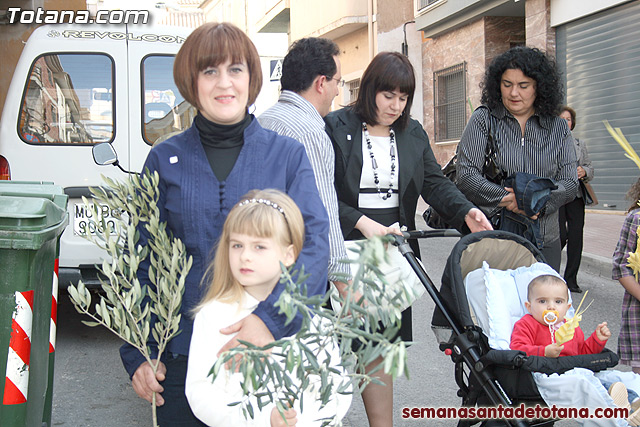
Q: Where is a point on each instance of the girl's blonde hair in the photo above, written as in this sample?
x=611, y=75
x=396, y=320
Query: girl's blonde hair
x=261, y=213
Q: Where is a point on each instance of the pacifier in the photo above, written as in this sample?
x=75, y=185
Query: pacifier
x=550, y=317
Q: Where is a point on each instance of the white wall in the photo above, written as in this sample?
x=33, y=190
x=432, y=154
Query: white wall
x=563, y=11
x=392, y=41
x=270, y=46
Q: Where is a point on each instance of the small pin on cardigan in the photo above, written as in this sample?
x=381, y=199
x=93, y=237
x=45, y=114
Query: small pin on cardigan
x=348, y=137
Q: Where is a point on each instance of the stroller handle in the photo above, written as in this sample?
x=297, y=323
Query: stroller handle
x=420, y=234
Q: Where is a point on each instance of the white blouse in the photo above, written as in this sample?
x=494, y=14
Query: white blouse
x=381, y=148
x=209, y=400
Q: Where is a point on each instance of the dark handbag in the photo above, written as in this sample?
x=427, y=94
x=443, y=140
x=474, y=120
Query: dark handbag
x=588, y=195
x=490, y=170
x=430, y=215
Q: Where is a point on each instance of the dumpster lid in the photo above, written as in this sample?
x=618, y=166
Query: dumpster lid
x=41, y=189
x=19, y=213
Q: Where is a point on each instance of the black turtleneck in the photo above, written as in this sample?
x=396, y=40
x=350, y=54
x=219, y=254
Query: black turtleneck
x=222, y=143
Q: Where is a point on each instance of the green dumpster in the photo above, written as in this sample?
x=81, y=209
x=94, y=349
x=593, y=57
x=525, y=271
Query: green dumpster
x=33, y=216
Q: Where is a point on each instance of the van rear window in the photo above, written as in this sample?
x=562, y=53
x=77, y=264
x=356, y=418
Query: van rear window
x=165, y=112
x=68, y=100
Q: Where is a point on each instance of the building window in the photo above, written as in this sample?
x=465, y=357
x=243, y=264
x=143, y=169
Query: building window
x=449, y=99
x=354, y=88
x=421, y=4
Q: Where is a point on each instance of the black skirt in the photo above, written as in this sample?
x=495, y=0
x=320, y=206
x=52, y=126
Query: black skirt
x=386, y=217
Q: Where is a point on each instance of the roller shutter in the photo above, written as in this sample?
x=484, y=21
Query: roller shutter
x=599, y=56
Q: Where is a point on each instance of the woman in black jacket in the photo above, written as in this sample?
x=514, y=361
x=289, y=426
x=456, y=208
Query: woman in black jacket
x=384, y=163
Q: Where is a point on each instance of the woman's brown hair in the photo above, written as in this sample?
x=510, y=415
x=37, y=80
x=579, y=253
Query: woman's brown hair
x=210, y=45
x=634, y=195
x=571, y=112
x=388, y=71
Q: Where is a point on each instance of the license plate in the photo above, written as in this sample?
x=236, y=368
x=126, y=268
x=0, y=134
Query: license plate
x=85, y=220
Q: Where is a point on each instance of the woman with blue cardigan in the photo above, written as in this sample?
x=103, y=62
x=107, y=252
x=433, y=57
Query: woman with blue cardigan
x=203, y=172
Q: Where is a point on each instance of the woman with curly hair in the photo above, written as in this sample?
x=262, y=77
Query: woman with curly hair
x=521, y=95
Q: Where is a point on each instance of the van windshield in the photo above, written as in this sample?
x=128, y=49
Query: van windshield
x=68, y=100
x=165, y=112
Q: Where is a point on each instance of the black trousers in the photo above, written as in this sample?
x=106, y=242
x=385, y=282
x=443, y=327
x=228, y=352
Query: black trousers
x=571, y=225
x=176, y=411
x=553, y=254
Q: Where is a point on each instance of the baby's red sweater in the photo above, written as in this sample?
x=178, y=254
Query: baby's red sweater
x=532, y=337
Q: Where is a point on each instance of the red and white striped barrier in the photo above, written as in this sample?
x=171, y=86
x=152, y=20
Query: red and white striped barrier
x=54, y=308
x=17, y=376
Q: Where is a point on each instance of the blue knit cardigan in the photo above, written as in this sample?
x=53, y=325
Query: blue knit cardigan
x=195, y=204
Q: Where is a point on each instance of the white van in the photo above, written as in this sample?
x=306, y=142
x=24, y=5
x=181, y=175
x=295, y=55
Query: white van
x=75, y=86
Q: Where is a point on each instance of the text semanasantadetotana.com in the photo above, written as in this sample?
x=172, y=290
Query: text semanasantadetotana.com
x=17, y=15
x=517, y=412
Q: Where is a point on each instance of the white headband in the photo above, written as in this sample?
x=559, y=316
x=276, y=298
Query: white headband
x=274, y=205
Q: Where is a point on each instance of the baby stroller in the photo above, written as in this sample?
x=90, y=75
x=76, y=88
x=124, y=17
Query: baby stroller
x=488, y=377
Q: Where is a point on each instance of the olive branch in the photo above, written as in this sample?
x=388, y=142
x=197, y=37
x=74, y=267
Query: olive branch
x=633, y=258
x=268, y=371
x=127, y=306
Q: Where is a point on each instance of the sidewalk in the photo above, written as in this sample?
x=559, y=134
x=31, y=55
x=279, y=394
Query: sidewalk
x=601, y=233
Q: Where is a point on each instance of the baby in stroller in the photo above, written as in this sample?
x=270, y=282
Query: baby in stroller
x=535, y=334
x=548, y=303
x=484, y=290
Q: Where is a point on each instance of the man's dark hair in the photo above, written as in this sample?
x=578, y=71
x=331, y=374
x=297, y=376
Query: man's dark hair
x=534, y=64
x=307, y=59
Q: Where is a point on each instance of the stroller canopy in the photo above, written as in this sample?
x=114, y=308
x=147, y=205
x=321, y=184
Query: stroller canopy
x=500, y=249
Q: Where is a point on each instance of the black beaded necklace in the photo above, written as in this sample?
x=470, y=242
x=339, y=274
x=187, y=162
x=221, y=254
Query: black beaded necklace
x=374, y=164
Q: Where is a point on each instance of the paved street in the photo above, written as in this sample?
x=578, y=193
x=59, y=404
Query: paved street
x=92, y=389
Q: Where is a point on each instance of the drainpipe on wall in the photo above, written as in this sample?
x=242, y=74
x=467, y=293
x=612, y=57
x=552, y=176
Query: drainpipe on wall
x=405, y=45
x=375, y=27
x=246, y=17
x=372, y=27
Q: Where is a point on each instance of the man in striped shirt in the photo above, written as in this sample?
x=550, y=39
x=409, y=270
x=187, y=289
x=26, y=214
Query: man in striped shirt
x=310, y=79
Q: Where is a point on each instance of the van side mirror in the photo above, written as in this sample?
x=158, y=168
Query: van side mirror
x=104, y=154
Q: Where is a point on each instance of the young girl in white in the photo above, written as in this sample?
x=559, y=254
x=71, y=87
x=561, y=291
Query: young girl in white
x=264, y=229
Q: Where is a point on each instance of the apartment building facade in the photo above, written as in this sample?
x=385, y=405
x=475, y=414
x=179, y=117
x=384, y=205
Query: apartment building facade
x=597, y=48
x=13, y=36
x=361, y=28
x=450, y=43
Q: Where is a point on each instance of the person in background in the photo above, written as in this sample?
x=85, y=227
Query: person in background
x=522, y=91
x=204, y=172
x=629, y=339
x=310, y=80
x=571, y=215
x=384, y=163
